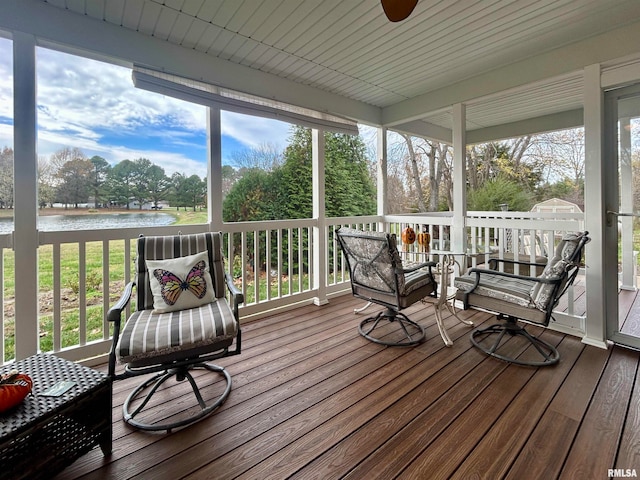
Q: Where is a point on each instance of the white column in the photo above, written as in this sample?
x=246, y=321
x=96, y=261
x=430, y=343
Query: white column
x=458, y=233
x=25, y=238
x=382, y=191
x=626, y=206
x=214, y=169
x=319, y=237
x=595, y=209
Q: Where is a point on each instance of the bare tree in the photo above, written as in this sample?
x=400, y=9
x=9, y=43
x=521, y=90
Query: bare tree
x=47, y=182
x=265, y=157
x=562, y=154
x=64, y=155
x=414, y=168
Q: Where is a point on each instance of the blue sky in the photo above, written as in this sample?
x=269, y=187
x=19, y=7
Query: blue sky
x=94, y=106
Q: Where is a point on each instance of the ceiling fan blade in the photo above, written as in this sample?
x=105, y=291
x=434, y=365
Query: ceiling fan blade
x=398, y=10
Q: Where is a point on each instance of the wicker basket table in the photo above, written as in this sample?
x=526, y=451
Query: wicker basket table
x=43, y=435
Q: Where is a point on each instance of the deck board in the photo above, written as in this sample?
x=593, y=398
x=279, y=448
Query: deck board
x=313, y=399
x=514, y=427
x=596, y=444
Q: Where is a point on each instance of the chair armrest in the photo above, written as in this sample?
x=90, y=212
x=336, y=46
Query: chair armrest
x=479, y=271
x=236, y=295
x=115, y=313
x=416, y=266
x=493, y=261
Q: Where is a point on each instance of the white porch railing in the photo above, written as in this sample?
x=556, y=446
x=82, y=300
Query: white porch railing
x=272, y=262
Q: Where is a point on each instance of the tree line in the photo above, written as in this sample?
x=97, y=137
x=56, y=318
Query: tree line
x=517, y=172
x=268, y=185
x=70, y=178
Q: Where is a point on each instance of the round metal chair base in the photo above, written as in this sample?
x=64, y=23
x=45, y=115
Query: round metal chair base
x=154, y=383
x=412, y=332
x=491, y=339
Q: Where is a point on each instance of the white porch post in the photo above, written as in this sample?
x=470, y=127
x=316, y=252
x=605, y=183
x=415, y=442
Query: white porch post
x=319, y=240
x=25, y=238
x=214, y=169
x=382, y=191
x=458, y=234
x=626, y=205
x=595, y=208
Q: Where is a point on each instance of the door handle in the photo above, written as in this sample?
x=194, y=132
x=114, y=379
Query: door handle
x=611, y=214
x=623, y=214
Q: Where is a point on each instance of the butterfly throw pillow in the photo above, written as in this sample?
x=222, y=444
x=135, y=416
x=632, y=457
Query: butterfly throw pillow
x=180, y=283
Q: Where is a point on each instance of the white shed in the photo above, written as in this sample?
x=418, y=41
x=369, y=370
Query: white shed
x=556, y=205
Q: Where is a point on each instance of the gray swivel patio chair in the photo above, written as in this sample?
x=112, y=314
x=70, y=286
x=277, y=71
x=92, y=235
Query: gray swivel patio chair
x=182, y=321
x=378, y=275
x=519, y=297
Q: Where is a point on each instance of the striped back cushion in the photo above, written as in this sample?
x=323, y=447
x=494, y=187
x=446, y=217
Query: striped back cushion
x=161, y=248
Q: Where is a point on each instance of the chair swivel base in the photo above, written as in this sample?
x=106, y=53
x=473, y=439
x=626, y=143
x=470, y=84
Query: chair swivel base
x=412, y=332
x=156, y=381
x=491, y=339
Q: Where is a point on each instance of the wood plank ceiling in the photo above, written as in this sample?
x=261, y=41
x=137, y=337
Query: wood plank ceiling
x=349, y=48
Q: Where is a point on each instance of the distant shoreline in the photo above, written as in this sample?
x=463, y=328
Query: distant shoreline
x=8, y=212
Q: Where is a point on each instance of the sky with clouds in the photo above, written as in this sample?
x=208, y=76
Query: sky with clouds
x=94, y=106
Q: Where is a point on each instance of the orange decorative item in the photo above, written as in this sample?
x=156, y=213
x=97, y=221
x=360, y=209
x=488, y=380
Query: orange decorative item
x=14, y=387
x=408, y=235
x=424, y=239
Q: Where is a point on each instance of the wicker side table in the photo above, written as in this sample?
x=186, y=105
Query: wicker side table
x=43, y=435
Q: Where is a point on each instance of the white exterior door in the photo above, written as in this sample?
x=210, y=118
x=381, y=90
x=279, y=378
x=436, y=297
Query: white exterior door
x=622, y=143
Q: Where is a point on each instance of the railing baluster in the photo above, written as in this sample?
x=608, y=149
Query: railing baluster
x=82, y=292
x=106, y=289
x=243, y=254
x=257, y=265
x=267, y=262
x=300, y=260
x=279, y=260
x=290, y=259
x=57, y=314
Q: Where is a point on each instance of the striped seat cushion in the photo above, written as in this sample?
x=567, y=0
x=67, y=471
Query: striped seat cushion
x=512, y=290
x=151, y=338
x=415, y=280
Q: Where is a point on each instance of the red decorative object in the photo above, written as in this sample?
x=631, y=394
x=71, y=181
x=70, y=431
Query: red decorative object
x=408, y=235
x=14, y=387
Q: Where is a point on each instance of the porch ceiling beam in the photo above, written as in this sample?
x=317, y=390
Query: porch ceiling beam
x=544, y=123
x=422, y=129
x=617, y=43
x=85, y=34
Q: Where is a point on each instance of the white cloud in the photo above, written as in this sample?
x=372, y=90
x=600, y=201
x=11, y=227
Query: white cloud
x=93, y=105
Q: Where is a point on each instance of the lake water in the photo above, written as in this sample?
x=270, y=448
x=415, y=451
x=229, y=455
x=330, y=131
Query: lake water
x=51, y=223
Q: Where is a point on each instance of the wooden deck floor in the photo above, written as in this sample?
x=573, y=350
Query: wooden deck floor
x=314, y=400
